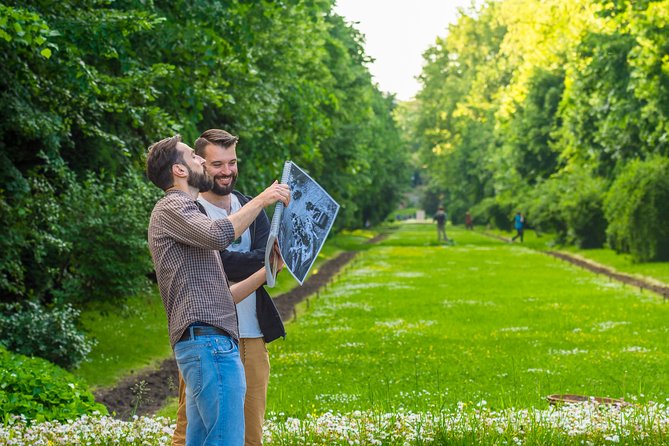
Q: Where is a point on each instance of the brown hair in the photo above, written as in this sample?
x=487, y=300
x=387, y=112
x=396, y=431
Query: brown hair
x=215, y=137
x=162, y=155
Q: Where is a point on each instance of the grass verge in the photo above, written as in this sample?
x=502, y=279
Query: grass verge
x=605, y=256
x=133, y=336
x=422, y=327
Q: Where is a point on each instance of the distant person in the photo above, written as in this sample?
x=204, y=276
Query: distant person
x=440, y=218
x=200, y=304
x=519, y=225
x=468, y=221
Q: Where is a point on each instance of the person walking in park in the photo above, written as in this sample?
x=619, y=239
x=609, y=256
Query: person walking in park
x=259, y=320
x=201, y=313
x=519, y=225
x=440, y=218
x=468, y=221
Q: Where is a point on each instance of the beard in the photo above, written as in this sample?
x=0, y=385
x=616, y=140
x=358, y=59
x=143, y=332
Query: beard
x=224, y=190
x=202, y=181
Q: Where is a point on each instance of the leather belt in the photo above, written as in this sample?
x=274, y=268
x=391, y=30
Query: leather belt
x=194, y=331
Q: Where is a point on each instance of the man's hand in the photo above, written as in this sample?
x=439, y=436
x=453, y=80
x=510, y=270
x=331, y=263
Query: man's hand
x=276, y=259
x=275, y=192
x=243, y=218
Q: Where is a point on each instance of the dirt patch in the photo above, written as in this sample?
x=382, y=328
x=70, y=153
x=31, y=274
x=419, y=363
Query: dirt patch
x=144, y=392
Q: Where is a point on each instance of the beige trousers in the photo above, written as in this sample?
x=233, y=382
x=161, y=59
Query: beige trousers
x=255, y=358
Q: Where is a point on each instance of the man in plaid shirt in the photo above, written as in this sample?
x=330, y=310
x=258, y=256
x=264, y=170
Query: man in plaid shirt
x=201, y=314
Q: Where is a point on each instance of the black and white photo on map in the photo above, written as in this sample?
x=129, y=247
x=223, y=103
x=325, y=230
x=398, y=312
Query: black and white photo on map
x=305, y=223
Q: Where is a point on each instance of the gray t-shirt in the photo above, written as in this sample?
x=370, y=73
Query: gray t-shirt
x=246, y=309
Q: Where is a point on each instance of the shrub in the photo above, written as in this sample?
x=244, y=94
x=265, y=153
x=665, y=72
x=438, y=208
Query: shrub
x=495, y=212
x=31, y=329
x=637, y=212
x=570, y=205
x=41, y=391
x=544, y=209
x=106, y=230
x=75, y=241
x=583, y=209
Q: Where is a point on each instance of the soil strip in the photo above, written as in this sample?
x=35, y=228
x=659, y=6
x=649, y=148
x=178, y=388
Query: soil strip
x=145, y=392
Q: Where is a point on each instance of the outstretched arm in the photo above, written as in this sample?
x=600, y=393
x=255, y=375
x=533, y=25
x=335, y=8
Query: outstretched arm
x=243, y=218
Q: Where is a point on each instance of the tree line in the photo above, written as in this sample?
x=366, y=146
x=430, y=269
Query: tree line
x=558, y=109
x=87, y=85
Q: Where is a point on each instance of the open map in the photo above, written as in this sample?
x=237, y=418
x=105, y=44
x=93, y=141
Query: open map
x=302, y=227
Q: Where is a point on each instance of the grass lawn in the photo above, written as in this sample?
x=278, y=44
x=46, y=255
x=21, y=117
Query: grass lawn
x=425, y=343
x=423, y=327
x=336, y=244
x=133, y=335
x=605, y=256
x=130, y=337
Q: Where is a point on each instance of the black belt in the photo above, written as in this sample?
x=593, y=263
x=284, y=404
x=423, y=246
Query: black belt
x=201, y=330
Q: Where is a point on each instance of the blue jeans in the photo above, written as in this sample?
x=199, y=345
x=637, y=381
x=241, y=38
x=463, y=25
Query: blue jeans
x=215, y=389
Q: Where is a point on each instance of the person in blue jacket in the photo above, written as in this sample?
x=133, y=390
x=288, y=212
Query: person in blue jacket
x=519, y=225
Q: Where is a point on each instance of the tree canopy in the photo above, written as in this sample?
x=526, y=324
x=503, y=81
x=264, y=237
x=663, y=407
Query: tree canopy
x=88, y=85
x=540, y=106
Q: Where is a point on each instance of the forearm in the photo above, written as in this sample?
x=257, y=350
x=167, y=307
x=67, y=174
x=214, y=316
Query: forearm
x=243, y=218
x=242, y=289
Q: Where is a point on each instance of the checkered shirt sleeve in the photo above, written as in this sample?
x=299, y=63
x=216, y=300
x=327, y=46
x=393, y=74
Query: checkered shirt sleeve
x=184, y=245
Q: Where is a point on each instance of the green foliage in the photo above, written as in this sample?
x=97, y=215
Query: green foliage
x=77, y=241
x=87, y=86
x=542, y=114
x=570, y=205
x=583, y=208
x=636, y=208
x=105, y=228
x=41, y=391
x=495, y=213
x=50, y=333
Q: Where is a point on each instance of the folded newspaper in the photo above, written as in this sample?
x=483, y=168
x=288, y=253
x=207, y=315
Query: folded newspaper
x=301, y=227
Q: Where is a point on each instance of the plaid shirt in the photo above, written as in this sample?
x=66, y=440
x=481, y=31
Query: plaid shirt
x=184, y=245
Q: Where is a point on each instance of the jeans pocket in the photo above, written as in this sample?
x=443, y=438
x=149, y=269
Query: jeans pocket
x=223, y=346
x=190, y=365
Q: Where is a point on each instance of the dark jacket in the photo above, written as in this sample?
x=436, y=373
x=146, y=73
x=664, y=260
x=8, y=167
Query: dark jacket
x=240, y=265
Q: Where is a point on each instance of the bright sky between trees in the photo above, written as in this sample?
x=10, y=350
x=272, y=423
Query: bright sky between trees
x=397, y=32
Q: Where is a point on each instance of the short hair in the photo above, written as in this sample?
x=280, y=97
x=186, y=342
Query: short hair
x=216, y=137
x=162, y=155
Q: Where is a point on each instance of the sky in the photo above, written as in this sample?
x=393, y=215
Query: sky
x=397, y=32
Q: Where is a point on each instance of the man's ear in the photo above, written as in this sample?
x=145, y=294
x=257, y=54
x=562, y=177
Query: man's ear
x=179, y=171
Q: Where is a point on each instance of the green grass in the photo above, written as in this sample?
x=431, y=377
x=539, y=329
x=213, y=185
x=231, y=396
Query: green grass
x=130, y=337
x=623, y=262
x=336, y=244
x=423, y=326
x=605, y=256
x=133, y=336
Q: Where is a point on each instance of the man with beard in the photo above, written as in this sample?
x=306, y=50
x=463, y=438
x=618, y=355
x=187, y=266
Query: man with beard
x=201, y=314
x=259, y=320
